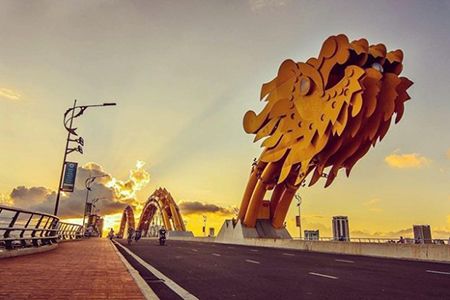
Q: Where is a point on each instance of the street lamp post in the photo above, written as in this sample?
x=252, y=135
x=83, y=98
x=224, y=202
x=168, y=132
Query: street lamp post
x=204, y=225
x=69, y=115
x=88, y=184
x=299, y=202
x=95, y=201
x=93, y=206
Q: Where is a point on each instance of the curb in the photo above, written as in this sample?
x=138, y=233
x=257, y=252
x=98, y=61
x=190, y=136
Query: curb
x=146, y=291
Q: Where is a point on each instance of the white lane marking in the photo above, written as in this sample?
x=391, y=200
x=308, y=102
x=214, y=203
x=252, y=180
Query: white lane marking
x=230, y=247
x=195, y=250
x=254, y=250
x=438, y=272
x=216, y=254
x=322, y=275
x=143, y=286
x=288, y=254
x=252, y=261
x=167, y=281
x=345, y=261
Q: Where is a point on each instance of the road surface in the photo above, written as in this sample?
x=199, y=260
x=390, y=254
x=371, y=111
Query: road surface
x=219, y=271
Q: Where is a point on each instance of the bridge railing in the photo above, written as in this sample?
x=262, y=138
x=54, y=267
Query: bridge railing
x=68, y=231
x=405, y=240
x=24, y=228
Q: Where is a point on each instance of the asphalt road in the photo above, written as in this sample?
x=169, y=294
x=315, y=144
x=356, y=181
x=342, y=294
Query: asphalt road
x=218, y=271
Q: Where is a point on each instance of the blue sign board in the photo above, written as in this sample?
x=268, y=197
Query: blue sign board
x=70, y=173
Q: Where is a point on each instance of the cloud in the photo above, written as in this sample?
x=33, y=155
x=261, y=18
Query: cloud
x=196, y=207
x=373, y=205
x=406, y=233
x=256, y=5
x=138, y=178
x=400, y=232
x=115, y=194
x=23, y=196
x=9, y=94
x=403, y=161
x=5, y=200
x=324, y=230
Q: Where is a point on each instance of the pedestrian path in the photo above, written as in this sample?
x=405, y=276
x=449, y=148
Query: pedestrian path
x=85, y=269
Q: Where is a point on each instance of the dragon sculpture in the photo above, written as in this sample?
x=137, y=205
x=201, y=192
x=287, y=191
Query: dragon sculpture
x=326, y=112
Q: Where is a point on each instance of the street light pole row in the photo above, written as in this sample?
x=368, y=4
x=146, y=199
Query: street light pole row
x=69, y=115
x=88, y=184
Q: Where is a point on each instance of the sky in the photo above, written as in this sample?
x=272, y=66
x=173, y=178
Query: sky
x=183, y=74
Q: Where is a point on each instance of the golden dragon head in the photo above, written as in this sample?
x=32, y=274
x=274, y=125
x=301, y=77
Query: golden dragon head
x=329, y=110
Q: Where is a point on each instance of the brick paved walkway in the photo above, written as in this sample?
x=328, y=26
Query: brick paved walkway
x=88, y=269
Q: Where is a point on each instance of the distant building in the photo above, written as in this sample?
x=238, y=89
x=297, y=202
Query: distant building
x=340, y=228
x=312, y=235
x=95, y=226
x=422, y=234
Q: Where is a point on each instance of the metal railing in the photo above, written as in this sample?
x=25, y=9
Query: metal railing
x=25, y=228
x=68, y=231
x=377, y=240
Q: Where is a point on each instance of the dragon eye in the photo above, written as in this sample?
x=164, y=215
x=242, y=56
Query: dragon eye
x=305, y=85
x=377, y=67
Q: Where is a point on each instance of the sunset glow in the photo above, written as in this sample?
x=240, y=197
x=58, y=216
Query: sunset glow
x=183, y=82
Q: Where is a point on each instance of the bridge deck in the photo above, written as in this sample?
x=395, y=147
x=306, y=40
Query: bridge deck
x=75, y=270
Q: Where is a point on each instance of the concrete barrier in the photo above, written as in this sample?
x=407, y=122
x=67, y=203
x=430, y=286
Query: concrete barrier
x=423, y=252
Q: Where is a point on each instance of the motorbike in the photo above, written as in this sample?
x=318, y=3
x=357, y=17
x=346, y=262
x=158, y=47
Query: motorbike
x=162, y=240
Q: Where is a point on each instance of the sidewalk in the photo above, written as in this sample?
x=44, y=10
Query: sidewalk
x=87, y=269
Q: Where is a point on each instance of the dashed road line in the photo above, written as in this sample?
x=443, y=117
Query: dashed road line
x=252, y=261
x=438, y=272
x=230, y=247
x=345, y=261
x=254, y=250
x=216, y=254
x=288, y=254
x=323, y=275
x=195, y=250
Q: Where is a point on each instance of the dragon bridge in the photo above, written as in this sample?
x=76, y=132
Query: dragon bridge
x=326, y=112
x=160, y=201
x=127, y=220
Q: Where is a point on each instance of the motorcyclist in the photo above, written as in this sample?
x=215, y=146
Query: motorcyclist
x=137, y=235
x=111, y=234
x=162, y=235
x=130, y=235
